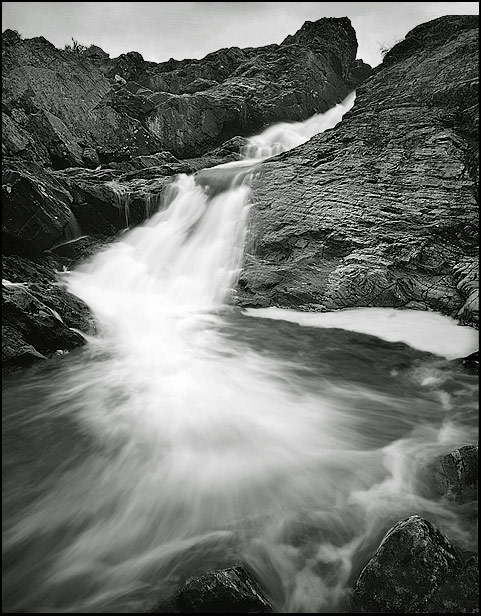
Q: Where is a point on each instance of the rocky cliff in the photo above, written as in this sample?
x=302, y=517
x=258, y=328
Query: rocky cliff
x=88, y=144
x=79, y=107
x=382, y=209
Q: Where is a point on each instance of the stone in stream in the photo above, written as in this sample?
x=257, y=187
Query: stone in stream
x=232, y=590
x=471, y=362
x=417, y=570
x=456, y=474
x=225, y=591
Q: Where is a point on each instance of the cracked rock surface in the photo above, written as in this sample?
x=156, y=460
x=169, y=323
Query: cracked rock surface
x=381, y=210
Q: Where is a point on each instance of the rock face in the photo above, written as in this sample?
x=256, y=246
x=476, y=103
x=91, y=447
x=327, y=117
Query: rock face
x=382, y=209
x=226, y=591
x=77, y=107
x=417, y=570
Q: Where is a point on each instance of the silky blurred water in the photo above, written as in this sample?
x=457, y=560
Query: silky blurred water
x=188, y=435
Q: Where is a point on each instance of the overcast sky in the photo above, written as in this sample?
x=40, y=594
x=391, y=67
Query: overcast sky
x=163, y=30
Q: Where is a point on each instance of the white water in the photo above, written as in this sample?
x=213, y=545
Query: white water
x=287, y=135
x=426, y=331
x=196, y=440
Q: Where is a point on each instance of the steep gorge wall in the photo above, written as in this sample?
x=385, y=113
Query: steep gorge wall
x=381, y=210
x=67, y=108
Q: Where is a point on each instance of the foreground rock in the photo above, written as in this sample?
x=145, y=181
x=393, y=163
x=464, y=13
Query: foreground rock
x=417, y=570
x=382, y=210
x=225, y=591
x=228, y=591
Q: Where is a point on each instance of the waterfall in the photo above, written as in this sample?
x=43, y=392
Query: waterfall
x=188, y=255
x=187, y=436
x=287, y=135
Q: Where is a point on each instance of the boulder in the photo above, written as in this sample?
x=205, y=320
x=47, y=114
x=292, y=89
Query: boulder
x=455, y=475
x=226, y=591
x=417, y=570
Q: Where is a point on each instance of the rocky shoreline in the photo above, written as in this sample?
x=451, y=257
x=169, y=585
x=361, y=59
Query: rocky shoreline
x=379, y=211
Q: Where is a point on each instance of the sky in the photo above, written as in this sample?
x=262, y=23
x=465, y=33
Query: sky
x=163, y=30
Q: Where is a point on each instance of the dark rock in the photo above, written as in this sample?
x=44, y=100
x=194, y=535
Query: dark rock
x=90, y=157
x=381, y=210
x=54, y=99
x=32, y=324
x=38, y=312
x=305, y=74
x=471, y=362
x=105, y=201
x=58, y=103
x=96, y=53
x=225, y=591
x=16, y=352
x=75, y=251
x=229, y=151
x=36, y=209
x=417, y=570
x=456, y=474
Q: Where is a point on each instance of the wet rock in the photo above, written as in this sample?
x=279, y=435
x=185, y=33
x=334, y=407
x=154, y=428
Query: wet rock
x=231, y=150
x=381, y=210
x=456, y=474
x=226, y=591
x=471, y=362
x=34, y=329
x=417, y=570
x=75, y=251
x=16, y=352
x=466, y=273
x=38, y=312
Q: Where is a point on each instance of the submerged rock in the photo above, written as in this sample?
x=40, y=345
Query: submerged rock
x=417, y=570
x=226, y=591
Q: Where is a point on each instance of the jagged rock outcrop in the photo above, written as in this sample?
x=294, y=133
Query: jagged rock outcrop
x=77, y=106
x=382, y=209
x=52, y=99
x=417, y=570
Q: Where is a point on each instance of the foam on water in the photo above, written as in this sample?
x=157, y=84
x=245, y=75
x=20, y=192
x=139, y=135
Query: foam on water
x=426, y=331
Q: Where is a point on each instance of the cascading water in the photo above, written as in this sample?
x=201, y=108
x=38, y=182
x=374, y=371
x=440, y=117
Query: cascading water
x=187, y=436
